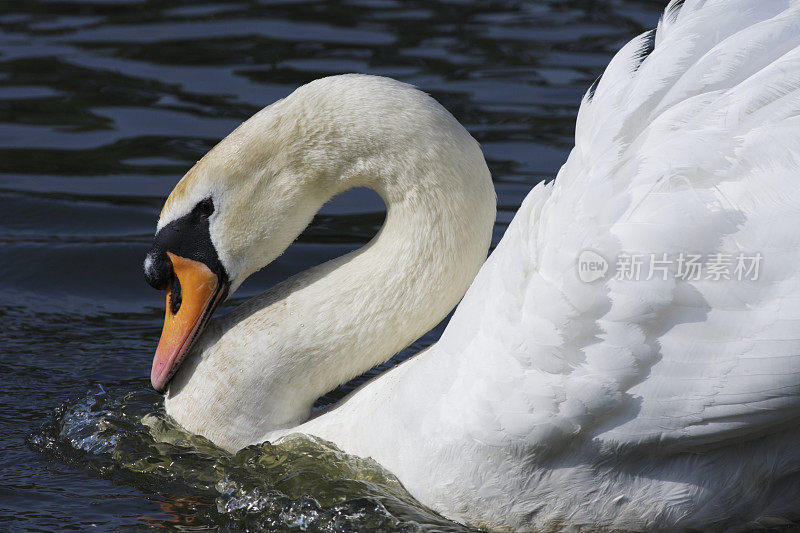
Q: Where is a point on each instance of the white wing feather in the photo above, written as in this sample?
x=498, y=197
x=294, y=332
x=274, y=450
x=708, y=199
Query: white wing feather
x=694, y=149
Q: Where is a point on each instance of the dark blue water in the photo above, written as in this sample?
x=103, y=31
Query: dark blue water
x=104, y=104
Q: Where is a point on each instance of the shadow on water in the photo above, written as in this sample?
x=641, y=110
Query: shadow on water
x=104, y=104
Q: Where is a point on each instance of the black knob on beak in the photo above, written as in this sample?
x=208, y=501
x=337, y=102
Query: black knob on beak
x=158, y=269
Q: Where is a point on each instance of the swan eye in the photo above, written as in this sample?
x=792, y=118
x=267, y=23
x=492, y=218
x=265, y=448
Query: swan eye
x=205, y=207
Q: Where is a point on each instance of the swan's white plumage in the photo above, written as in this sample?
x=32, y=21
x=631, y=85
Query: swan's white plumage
x=696, y=149
x=550, y=402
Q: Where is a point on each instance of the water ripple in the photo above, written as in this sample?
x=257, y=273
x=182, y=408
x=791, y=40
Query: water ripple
x=128, y=438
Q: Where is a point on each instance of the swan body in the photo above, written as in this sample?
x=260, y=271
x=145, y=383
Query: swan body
x=550, y=402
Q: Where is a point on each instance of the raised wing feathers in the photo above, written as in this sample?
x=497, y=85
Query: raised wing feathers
x=694, y=149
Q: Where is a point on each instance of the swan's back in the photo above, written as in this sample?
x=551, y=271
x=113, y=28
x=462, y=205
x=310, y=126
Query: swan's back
x=691, y=149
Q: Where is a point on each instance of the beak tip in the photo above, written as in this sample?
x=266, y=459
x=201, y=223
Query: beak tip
x=157, y=379
x=159, y=387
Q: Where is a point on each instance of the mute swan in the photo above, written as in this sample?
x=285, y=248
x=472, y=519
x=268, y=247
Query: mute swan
x=567, y=391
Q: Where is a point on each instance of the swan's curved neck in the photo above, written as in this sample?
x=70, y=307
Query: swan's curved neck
x=262, y=366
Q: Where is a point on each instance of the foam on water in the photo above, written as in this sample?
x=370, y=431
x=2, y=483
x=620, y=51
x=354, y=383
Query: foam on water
x=299, y=484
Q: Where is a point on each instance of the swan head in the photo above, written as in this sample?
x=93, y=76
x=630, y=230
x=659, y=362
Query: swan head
x=249, y=197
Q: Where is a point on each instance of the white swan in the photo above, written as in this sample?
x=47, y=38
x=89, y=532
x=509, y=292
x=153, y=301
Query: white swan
x=549, y=402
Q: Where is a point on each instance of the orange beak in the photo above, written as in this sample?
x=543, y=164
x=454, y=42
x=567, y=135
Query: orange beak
x=191, y=300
